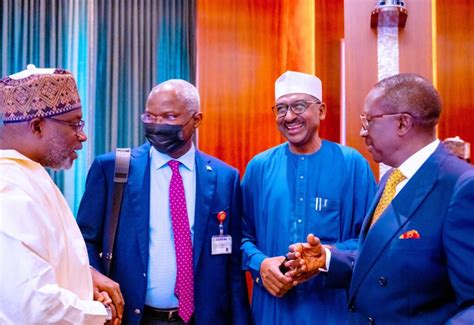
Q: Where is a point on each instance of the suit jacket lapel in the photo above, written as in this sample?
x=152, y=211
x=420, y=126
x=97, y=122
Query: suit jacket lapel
x=205, y=188
x=394, y=218
x=139, y=197
x=370, y=212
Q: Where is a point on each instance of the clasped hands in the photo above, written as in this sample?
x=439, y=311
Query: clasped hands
x=108, y=292
x=304, y=261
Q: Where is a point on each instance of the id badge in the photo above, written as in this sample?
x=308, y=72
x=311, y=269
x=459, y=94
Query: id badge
x=221, y=244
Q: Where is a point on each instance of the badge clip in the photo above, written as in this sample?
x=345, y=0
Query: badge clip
x=221, y=244
x=221, y=217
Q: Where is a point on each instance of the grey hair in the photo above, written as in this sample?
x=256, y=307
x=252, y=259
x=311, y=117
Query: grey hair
x=409, y=92
x=185, y=90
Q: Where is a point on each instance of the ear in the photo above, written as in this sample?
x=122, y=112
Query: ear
x=405, y=124
x=322, y=111
x=197, y=119
x=36, y=126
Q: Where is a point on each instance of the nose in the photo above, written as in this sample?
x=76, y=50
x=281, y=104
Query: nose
x=363, y=132
x=82, y=136
x=290, y=115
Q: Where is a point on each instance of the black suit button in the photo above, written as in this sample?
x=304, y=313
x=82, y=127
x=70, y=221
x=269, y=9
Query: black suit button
x=371, y=321
x=382, y=281
x=352, y=308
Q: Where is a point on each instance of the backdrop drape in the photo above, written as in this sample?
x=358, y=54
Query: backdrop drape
x=116, y=49
x=135, y=44
x=49, y=33
x=244, y=46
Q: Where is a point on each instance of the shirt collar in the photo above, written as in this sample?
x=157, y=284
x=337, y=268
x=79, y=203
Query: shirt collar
x=414, y=162
x=15, y=155
x=159, y=160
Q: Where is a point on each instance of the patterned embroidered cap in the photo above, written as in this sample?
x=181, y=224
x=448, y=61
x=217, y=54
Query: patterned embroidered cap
x=37, y=93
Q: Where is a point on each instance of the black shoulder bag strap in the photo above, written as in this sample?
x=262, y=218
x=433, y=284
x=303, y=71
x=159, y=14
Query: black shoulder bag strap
x=122, y=165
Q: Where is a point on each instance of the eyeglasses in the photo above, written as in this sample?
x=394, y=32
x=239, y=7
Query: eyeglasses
x=150, y=118
x=77, y=126
x=298, y=107
x=365, y=119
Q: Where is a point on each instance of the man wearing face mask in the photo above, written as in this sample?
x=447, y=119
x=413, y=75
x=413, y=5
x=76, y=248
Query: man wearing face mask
x=176, y=254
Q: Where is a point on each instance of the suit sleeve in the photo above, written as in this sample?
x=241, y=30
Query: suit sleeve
x=240, y=304
x=92, y=211
x=459, y=246
x=340, y=269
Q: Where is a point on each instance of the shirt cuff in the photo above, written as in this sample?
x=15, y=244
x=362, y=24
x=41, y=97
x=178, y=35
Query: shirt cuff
x=328, y=260
x=254, y=266
x=256, y=261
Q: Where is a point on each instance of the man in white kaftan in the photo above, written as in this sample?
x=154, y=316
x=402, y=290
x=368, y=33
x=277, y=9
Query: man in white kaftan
x=44, y=273
x=45, y=276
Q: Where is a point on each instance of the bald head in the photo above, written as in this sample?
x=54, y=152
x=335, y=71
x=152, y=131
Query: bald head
x=185, y=91
x=410, y=93
x=400, y=117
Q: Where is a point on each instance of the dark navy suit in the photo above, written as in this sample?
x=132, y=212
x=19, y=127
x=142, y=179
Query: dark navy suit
x=429, y=280
x=219, y=289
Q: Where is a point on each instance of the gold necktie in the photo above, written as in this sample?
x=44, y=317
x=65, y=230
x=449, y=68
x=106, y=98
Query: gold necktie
x=388, y=193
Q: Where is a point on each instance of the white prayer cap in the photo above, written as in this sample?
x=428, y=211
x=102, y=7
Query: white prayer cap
x=292, y=82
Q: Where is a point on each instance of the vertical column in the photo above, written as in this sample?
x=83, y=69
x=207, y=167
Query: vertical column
x=388, y=16
x=363, y=53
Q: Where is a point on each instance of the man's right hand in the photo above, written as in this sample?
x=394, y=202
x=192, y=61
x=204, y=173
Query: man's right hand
x=102, y=283
x=306, y=259
x=273, y=280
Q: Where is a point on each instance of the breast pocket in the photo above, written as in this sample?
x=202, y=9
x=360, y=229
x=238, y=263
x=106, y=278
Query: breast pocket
x=413, y=246
x=325, y=218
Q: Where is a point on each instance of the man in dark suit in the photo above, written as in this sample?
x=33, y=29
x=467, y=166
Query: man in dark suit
x=415, y=262
x=167, y=273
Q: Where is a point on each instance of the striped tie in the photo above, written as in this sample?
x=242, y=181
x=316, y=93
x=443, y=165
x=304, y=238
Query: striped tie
x=388, y=194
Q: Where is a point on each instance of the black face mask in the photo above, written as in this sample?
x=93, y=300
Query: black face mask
x=166, y=138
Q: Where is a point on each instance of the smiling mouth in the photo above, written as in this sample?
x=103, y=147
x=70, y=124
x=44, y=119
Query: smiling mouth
x=294, y=127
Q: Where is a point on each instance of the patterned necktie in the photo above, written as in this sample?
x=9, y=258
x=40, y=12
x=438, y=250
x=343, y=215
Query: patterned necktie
x=388, y=193
x=184, y=289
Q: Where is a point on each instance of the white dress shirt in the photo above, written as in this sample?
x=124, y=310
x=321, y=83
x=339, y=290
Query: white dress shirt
x=162, y=260
x=410, y=166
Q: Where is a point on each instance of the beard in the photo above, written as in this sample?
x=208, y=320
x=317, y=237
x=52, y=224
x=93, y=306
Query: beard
x=59, y=154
